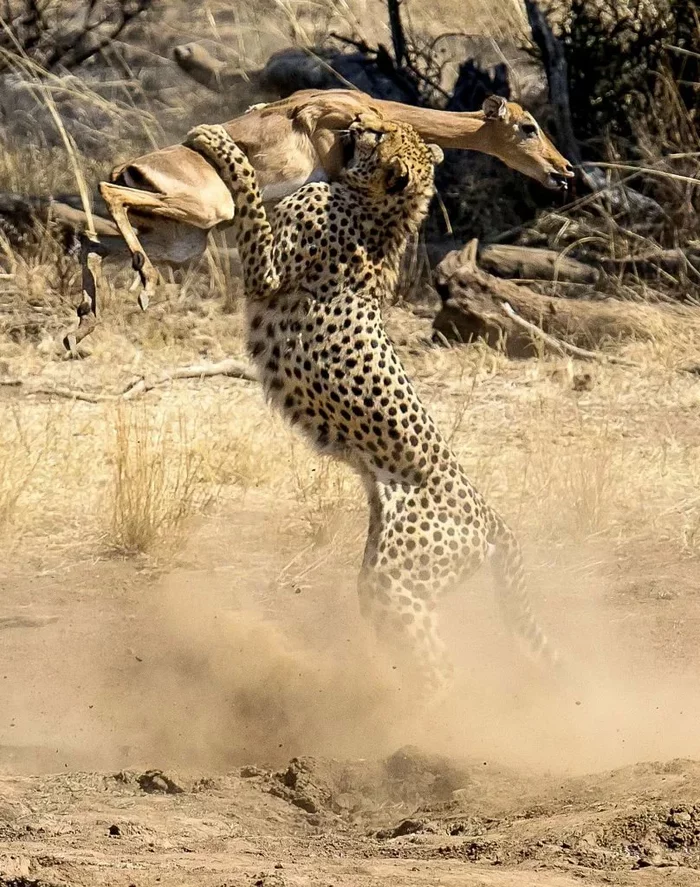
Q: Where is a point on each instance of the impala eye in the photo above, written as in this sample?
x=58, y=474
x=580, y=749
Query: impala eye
x=528, y=129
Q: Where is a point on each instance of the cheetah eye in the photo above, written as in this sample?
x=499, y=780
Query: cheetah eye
x=528, y=129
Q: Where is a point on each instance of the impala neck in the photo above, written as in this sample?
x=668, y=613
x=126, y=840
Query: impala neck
x=449, y=129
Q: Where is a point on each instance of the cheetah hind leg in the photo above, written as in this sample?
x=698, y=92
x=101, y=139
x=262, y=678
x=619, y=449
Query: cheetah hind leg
x=509, y=573
x=415, y=651
x=251, y=226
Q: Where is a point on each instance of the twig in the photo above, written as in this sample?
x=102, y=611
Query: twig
x=26, y=621
x=23, y=63
x=559, y=345
x=360, y=45
x=628, y=167
x=230, y=367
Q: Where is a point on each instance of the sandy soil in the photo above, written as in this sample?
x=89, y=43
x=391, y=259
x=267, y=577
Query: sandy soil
x=217, y=713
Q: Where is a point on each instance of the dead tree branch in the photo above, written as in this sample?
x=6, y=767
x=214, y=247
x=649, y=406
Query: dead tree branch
x=55, y=38
x=230, y=367
x=554, y=62
x=398, y=37
x=560, y=346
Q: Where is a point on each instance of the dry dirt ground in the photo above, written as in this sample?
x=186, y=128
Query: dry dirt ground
x=212, y=711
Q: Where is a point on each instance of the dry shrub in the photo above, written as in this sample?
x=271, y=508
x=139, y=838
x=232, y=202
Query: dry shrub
x=233, y=443
x=577, y=488
x=156, y=480
x=326, y=493
x=621, y=57
x=21, y=450
x=633, y=80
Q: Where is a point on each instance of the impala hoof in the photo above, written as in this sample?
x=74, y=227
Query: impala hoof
x=70, y=344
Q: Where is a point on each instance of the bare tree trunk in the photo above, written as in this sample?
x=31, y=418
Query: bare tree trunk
x=398, y=38
x=555, y=68
x=554, y=60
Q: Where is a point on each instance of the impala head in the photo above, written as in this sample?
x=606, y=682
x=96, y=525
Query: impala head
x=516, y=138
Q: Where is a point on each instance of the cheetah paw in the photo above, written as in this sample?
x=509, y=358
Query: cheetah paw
x=205, y=136
x=271, y=280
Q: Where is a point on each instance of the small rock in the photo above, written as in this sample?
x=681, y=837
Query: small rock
x=407, y=827
x=156, y=782
x=582, y=382
x=653, y=861
x=115, y=831
x=588, y=840
x=305, y=803
x=14, y=869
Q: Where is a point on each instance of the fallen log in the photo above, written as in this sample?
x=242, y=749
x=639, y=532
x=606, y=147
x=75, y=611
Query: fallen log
x=20, y=214
x=513, y=318
x=534, y=263
x=649, y=263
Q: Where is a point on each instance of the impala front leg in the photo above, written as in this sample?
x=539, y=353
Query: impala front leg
x=91, y=252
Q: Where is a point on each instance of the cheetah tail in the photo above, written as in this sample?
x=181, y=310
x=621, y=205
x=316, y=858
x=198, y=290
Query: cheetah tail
x=509, y=573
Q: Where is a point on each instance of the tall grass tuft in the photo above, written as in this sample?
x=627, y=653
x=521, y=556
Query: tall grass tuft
x=156, y=480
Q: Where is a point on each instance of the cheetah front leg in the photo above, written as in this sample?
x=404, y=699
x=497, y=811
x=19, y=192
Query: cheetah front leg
x=252, y=229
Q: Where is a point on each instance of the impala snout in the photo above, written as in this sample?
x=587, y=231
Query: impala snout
x=559, y=181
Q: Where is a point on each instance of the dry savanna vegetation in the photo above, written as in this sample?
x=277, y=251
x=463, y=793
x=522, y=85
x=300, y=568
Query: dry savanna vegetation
x=179, y=566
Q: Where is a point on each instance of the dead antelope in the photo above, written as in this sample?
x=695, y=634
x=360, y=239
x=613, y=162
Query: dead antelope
x=175, y=196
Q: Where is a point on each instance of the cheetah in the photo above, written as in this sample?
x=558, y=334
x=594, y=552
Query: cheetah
x=316, y=271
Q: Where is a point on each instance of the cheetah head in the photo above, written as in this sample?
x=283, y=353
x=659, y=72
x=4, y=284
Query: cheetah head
x=388, y=158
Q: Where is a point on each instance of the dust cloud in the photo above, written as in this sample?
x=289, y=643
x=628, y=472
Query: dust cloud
x=233, y=687
x=621, y=700
x=209, y=669
x=243, y=687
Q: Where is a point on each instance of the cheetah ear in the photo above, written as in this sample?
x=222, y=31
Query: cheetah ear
x=436, y=151
x=397, y=177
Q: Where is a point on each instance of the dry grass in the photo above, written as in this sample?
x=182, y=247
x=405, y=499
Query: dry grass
x=619, y=462
x=22, y=449
x=155, y=483
x=327, y=495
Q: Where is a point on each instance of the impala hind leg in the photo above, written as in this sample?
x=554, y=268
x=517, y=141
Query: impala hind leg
x=119, y=201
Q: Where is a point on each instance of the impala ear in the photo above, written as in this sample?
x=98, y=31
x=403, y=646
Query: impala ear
x=437, y=153
x=495, y=107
